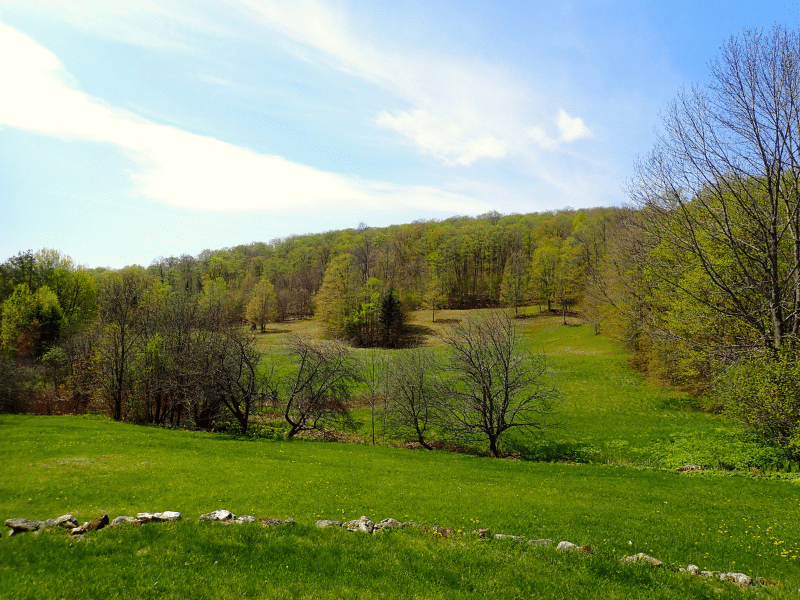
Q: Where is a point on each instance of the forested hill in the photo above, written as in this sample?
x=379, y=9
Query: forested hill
x=461, y=262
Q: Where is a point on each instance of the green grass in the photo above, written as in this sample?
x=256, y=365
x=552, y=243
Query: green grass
x=189, y=560
x=608, y=413
x=89, y=466
x=612, y=415
x=624, y=497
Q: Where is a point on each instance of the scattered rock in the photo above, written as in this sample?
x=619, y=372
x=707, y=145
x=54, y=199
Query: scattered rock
x=290, y=521
x=161, y=517
x=124, y=520
x=687, y=468
x=328, y=523
x=95, y=524
x=739, y=579
x=20, y=525
x=245, y=519
x=387, y=524
x=363, y=524
x=565, y=546
x=222, y=515
x=641, y=557
x=504, y=536
x=66, y=521
x=444, y=532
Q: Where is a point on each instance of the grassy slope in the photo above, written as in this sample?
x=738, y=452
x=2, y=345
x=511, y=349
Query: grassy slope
x=90, y=466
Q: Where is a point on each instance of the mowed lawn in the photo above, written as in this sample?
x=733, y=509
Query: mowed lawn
x=619, y=494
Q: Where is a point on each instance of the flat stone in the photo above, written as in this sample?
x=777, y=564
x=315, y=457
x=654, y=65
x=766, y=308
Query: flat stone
x=693, y=569
x=21, y=525
x=565, y=546
x=328, y=523
x=168, y=515
x=505, y=536
x=245, y=519
x=641, y=557
x=739, y=579
x=388, y=524
x=483, y=533
x=541, y=542
x=66, y=521
x=709, y=574
x=124, y=520
x=289, y=521
x=160, y=517
x=219, y=515
x=409, y=524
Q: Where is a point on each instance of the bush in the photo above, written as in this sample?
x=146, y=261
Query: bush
x=763, y=393
x=16, y=386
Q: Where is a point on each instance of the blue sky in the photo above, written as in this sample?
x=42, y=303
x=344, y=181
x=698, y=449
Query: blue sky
x=138, y=129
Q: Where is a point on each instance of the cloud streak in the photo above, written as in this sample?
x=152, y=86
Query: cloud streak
x=456, y=111
x=181, y=168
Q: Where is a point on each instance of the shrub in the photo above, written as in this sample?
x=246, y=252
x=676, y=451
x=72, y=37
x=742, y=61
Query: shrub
x=763, y=393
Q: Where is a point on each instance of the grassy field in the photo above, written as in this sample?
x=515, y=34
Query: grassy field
x=609, y=414
x=617, y=503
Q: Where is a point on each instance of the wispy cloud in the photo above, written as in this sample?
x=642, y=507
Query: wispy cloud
x=456, y=110
x=181, y=168
x=449, y=141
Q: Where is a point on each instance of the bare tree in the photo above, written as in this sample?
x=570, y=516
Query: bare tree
x=494, y=384
x=414, y=404
x=235, y=377
x=318, y=387
x=722, y=188
x=122, y=297
x=374, y=366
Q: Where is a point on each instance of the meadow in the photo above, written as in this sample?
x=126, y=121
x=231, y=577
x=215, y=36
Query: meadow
x=614, y=487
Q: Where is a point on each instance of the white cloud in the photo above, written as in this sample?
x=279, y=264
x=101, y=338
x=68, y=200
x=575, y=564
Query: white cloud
x=445, y=139
x=572, y=128
x=181, y=168
x=457, y=111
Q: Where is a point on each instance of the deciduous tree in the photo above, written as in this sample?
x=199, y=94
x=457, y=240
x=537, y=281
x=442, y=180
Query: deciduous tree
x=494, y=384
x=317, y=390
x=722, y=187
x=263, y=305
x=414, y=404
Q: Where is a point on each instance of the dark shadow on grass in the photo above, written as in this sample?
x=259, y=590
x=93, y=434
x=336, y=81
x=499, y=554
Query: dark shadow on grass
x=415, y=335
